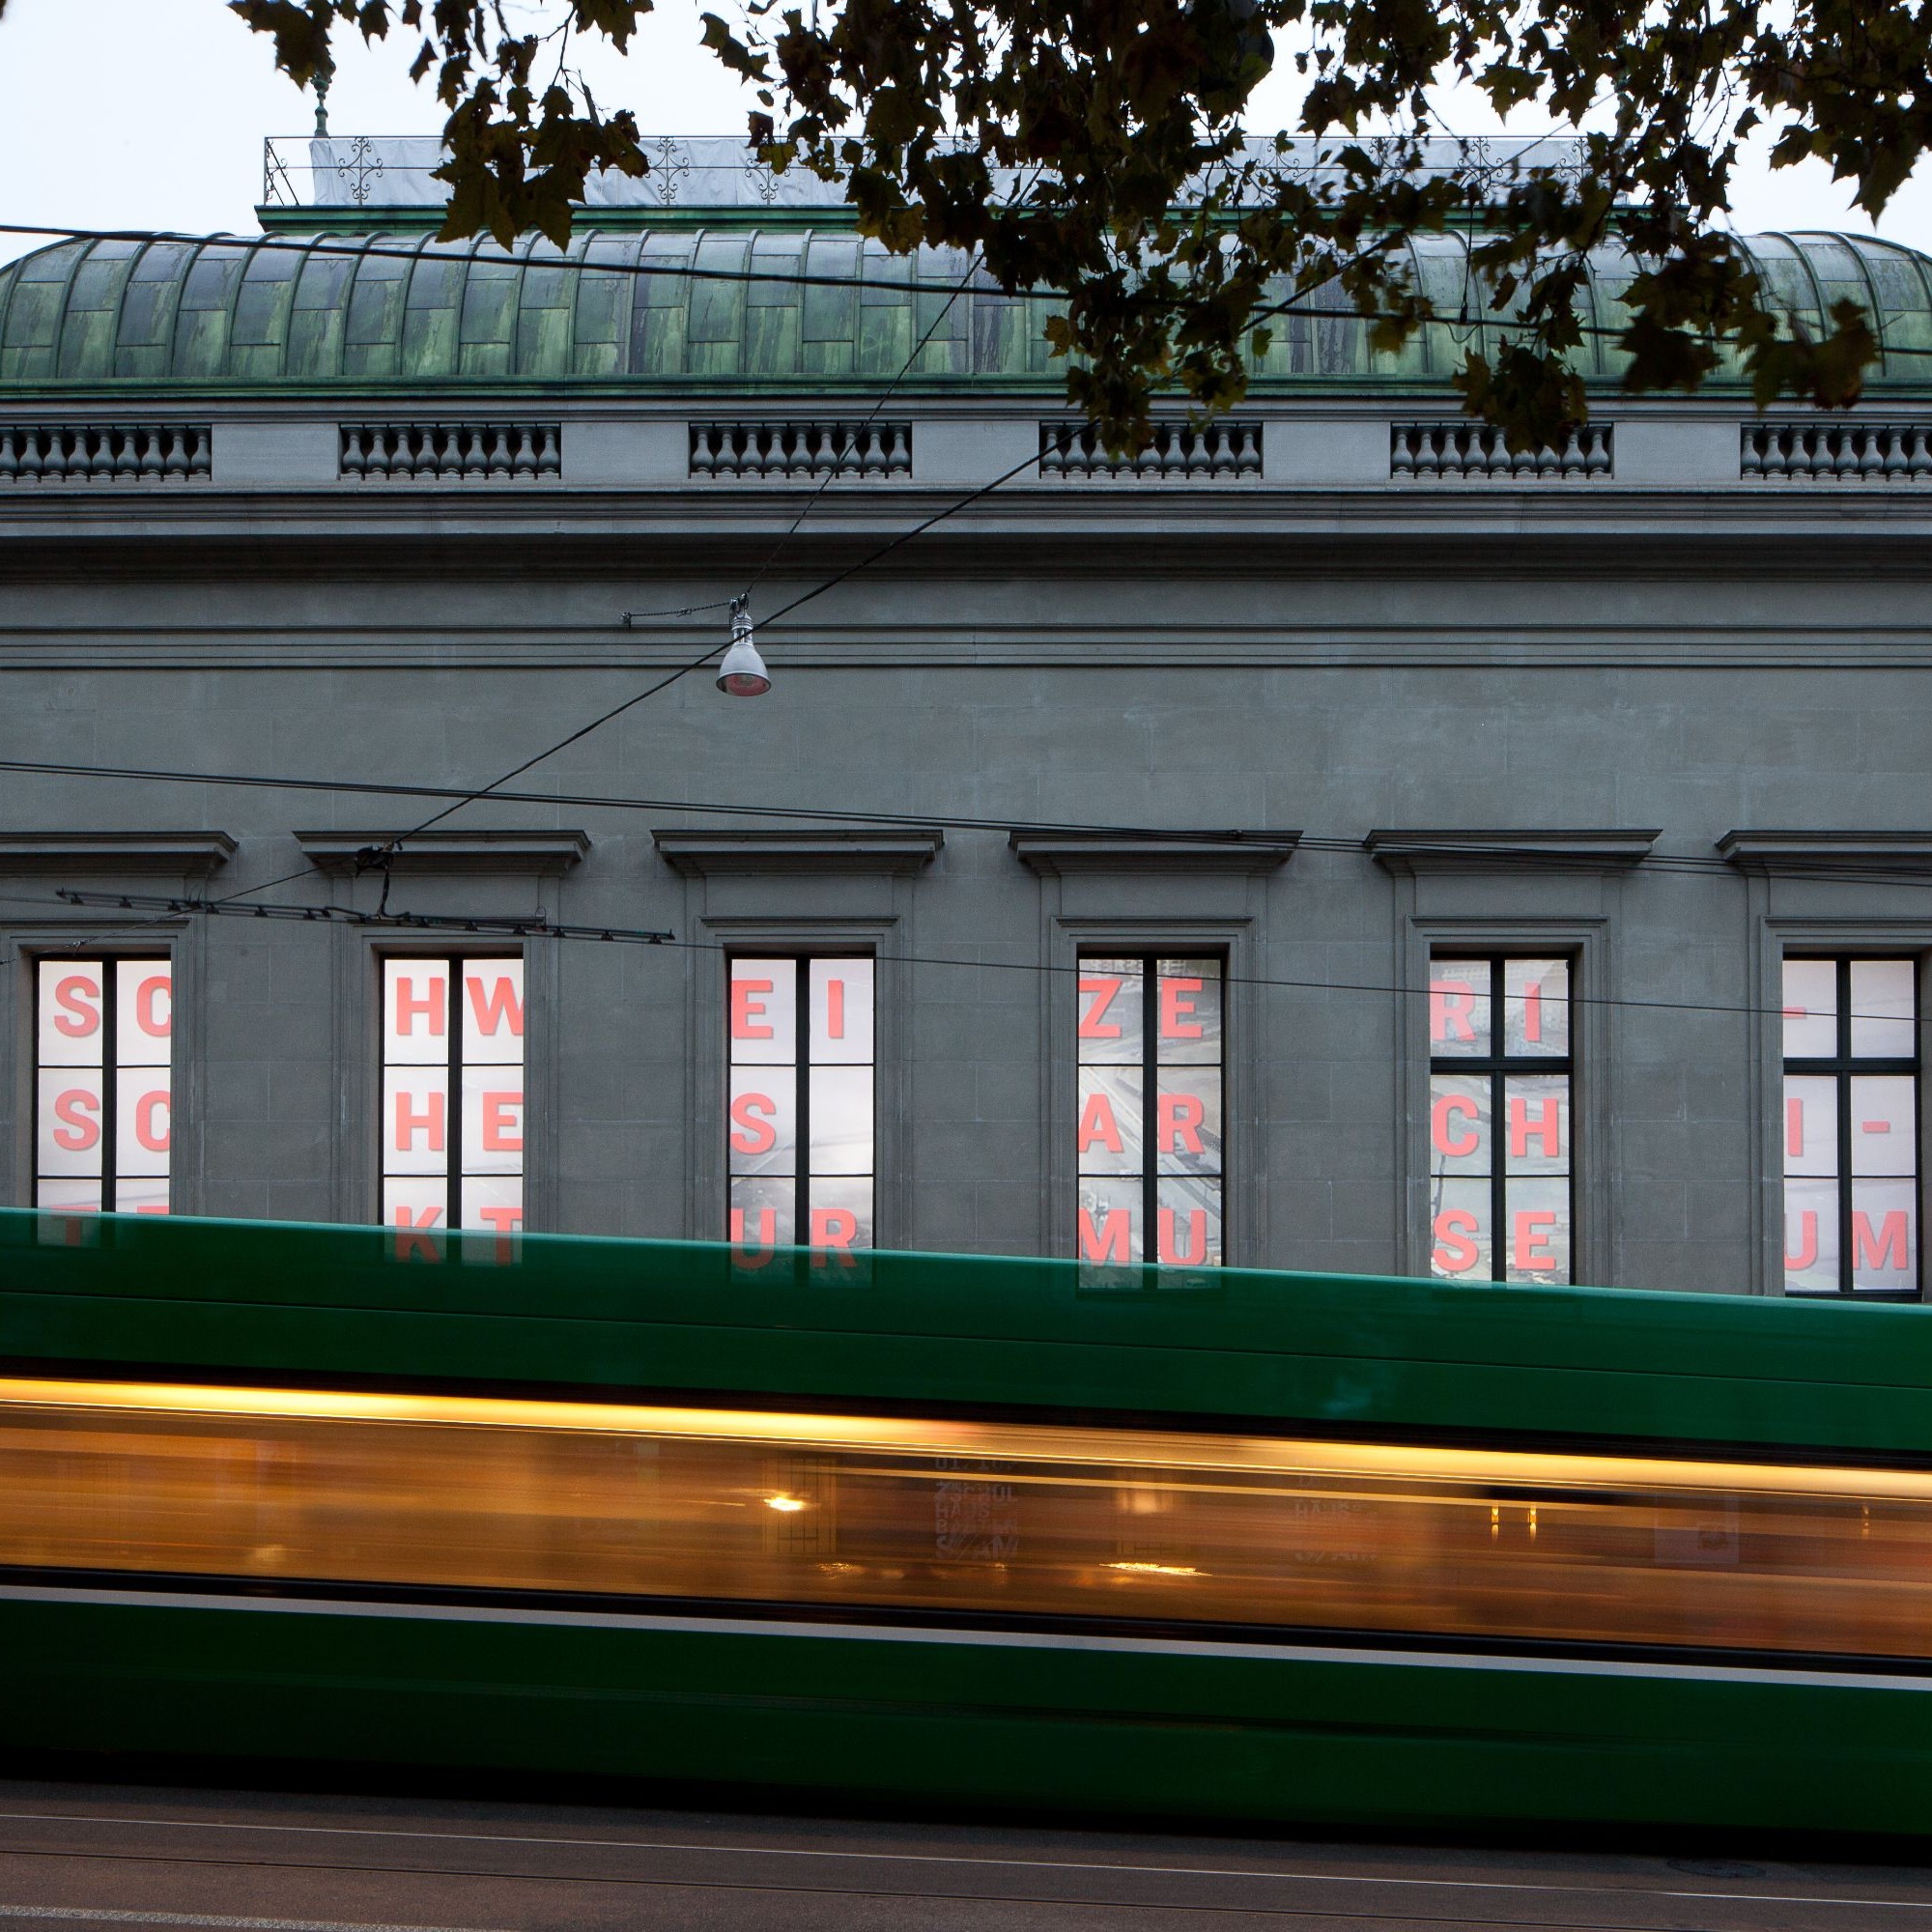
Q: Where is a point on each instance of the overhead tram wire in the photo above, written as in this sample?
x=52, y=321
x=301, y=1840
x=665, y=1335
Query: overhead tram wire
x=535, y=928
x=872, y=417
x=378, y=856
x=1528, y=858
x=381, y=855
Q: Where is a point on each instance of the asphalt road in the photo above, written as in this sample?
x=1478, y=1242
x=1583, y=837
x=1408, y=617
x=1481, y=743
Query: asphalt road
x=90, y=1856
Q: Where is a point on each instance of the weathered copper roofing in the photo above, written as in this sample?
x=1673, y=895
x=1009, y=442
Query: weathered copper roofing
x=823, y=310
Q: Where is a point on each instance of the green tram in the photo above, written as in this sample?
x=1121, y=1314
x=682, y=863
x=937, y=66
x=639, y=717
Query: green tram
x=915, y=1529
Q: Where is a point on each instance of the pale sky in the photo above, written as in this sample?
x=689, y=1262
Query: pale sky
x=151, y=114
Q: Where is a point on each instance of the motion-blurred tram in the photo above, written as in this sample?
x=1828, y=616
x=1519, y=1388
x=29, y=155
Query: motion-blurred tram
x=1021, y=1534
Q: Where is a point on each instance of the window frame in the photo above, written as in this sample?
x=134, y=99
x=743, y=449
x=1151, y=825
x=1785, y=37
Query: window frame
x=456, y=1027
x=803, y=954
x=108, y=956
x=1841, y=1066
x=1148, y=957
x=1496, y=1068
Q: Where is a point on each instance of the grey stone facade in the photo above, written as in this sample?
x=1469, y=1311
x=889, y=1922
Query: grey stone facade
x=1663, y=658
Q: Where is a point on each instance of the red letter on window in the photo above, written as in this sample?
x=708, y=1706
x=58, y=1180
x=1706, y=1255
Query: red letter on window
x=1533, y=1228
x=1887, y=1247
x=152, y=1137
x=835, y=1010
x=73, y=1106
x=1107, y=1242
x=1807, y=1240
x=1451, y=1004
x=1097, y=1125
x=412, y=1243
x=1181, y=1118
x=78, y=1018
x=1173, y=1009
x=753, y=1135
x=1549, y=1129
x=1532, y=1016
x=1196, y=1249
x=1442, y=1125
x=1455, y=1249
x=502, y=1004
x=151, y=1016
x=1093, y=1022
x=767, y=1238
x=410, y=1124
x=747, y=1008
x=502, y=1124
x=834, y=1226
x=408, y=1004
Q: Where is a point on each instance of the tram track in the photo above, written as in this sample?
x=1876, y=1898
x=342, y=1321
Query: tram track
x=986, y=1874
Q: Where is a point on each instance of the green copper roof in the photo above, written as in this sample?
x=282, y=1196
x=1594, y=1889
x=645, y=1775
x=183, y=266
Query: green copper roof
x=382, y=311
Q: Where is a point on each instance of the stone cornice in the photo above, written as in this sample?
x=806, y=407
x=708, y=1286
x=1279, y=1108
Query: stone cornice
x=891, y=850
x=1530, y=849
x=486, y=851
x=1849, y=854
x=1053, y=854
x=174, y=852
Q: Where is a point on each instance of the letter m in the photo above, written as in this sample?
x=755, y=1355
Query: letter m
x=1107, y=1241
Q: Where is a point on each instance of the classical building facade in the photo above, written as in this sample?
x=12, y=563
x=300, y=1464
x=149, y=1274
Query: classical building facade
x=1327, y=841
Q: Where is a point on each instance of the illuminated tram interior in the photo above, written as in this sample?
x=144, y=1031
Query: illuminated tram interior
x=985, y=1518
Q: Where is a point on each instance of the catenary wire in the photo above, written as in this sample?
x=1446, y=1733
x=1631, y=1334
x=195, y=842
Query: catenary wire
x=381, y=855
x=872, y=417
x=1523, y=857
x=512, y=925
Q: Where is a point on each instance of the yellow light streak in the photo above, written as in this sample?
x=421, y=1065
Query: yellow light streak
x=1177, y=1451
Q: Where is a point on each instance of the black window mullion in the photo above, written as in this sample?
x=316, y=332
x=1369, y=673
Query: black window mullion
x=1842, y=1094
x=110, y=1085
x=1149, y=1080
x=1841, y=1067
x=452, y=1127
x=801, y=1048
x=1495, y=1066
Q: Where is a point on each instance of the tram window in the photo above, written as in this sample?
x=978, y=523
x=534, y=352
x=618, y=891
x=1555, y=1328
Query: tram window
x=800, y=1149
x=451, y=1131
x=1501, y=1204
x=1850, y=1128
x=1149, y=1134
x=103, y=1087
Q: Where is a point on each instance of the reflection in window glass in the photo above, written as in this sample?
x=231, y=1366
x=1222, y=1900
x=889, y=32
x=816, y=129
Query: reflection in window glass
x=1150, y=1128
x=451, y=1127
x=103, y=1084
x=1501, y=1155
x=800, y=1130
x=1850, y=1128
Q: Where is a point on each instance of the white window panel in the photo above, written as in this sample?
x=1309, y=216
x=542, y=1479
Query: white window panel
x=763, y=1012
x=144, y=1012
x=143, y=1121
x=72, y=1120
x=415, y=1119
x=72, y=1028
x=842, y=1012
x=493, y=1012
x=1810, y=1009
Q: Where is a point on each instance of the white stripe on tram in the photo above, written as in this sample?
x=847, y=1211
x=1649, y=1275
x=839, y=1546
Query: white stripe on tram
x=851, y=1632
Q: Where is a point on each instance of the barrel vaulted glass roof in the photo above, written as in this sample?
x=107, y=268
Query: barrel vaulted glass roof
x=824, y=310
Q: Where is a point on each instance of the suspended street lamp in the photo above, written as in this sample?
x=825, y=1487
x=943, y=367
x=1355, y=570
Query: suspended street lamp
x=742, y=672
